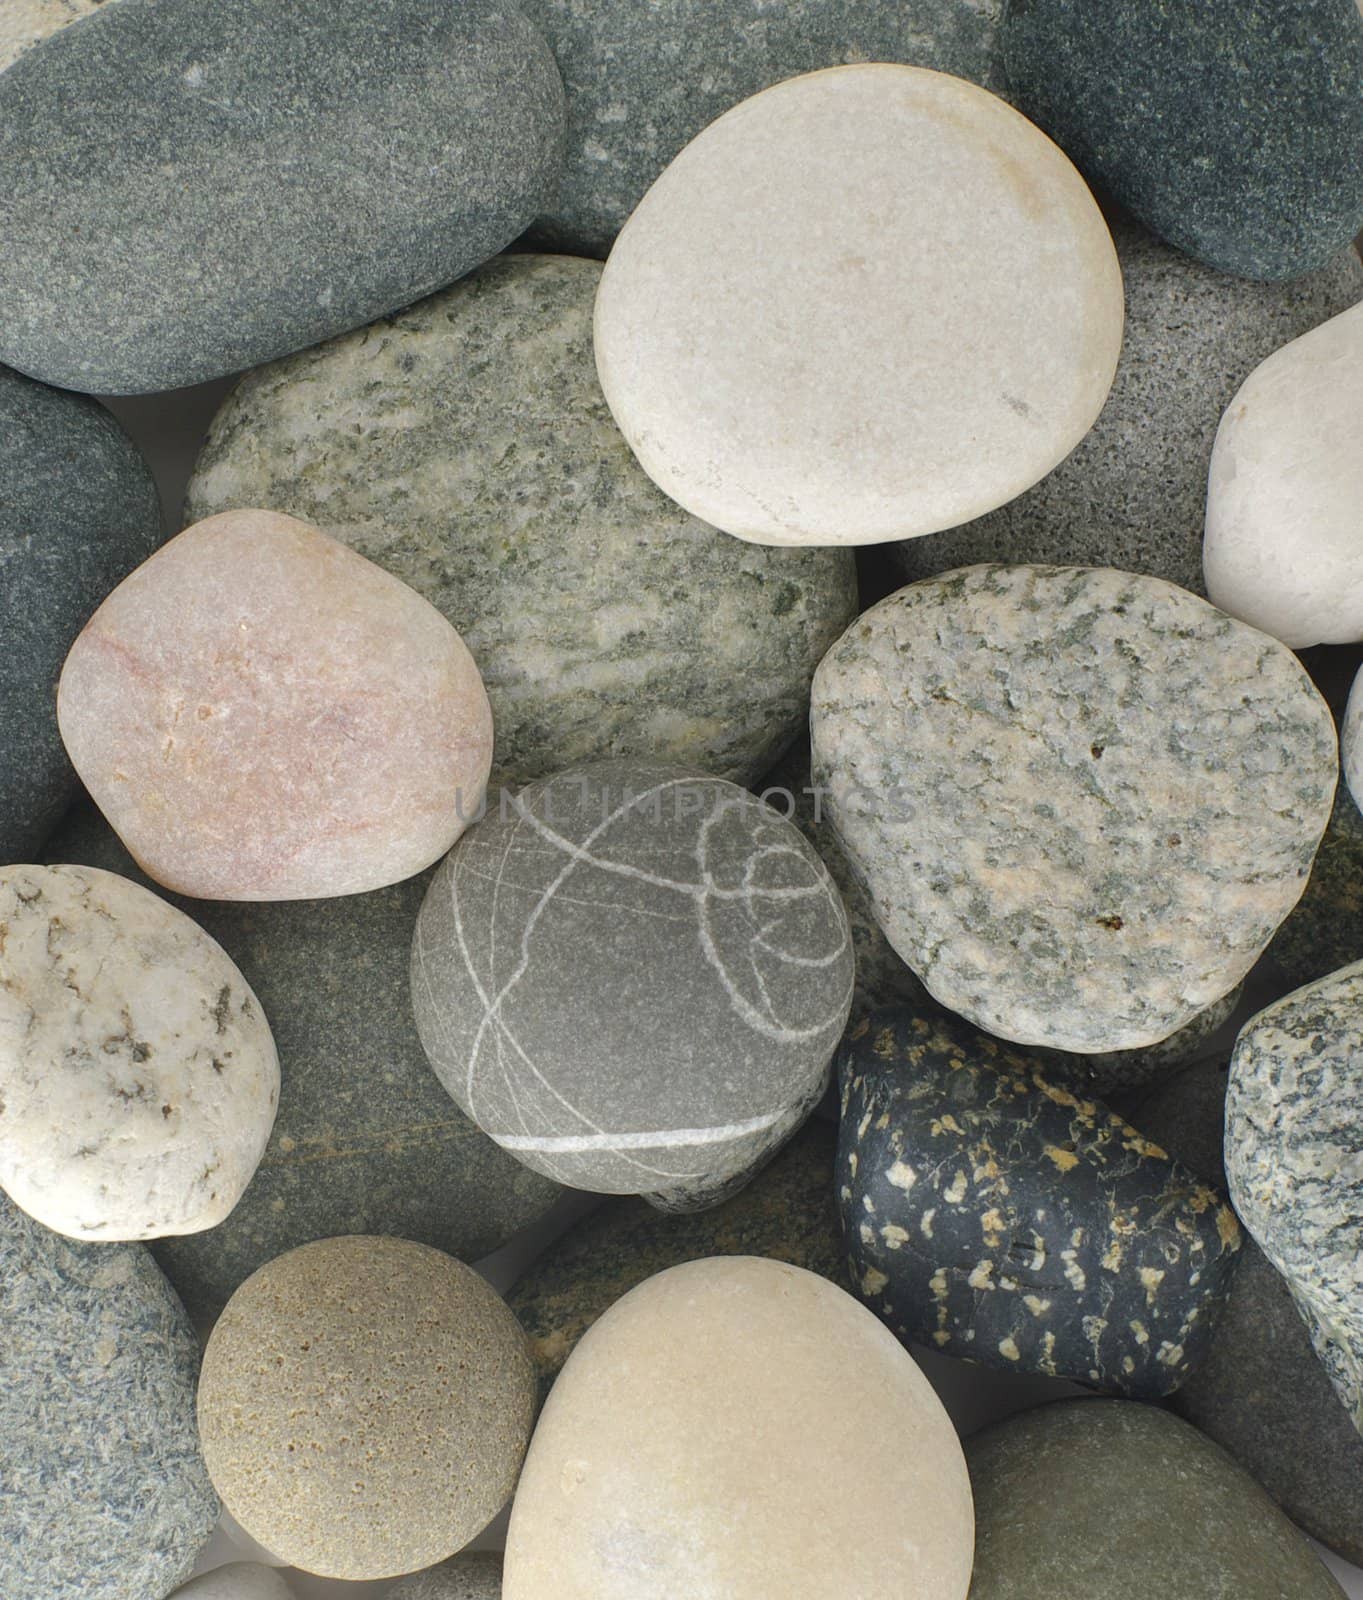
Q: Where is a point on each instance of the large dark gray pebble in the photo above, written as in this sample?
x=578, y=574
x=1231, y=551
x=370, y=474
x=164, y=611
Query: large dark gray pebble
x=78, y=511
x=189, y=187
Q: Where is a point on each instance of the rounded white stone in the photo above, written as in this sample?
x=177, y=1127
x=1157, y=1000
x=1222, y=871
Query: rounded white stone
x=239, y=1580
x=138, y=1076
x=866, y=304
x=1284, y=541
x=741, y=1429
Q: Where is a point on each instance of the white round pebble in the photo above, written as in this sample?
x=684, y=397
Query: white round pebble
x=1284, y=542
x=866, y=304
x=239, y=1580
x=138, y=1075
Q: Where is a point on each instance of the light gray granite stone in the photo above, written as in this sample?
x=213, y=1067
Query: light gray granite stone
x=465, y=446
x=189, y=187
x=365, y=1139
x=104, y=1493
x=78, y=511
x=1133, y=493
x=26, y=23
x=1115, y=1071
x=1083, y=800
x=1113, y=1501
x=1294, y=1149
x=633, y=979
x=642, y=81
x=476, y=1575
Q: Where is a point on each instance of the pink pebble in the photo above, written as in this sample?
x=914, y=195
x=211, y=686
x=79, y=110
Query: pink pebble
x=262, y=714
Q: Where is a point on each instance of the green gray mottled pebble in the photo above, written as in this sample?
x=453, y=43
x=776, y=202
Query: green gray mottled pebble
x=465, y=445
x=471, y=1576
x=1109, y=1500
x=1133, y=493
x=643, y=80
x=1116, y=1070
x=1324, y=930
x=365, y=1140
x=103, y=1492
x=1083, y=800
x=1294, y=1147
x=787, y=1213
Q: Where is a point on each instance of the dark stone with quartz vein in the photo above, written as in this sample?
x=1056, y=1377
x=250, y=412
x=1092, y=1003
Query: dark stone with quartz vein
x=995, y=1216
x=189, y=187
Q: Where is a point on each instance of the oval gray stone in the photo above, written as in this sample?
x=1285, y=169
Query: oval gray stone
x=106, y=1496
x=78, y=511
x=1133, y=493
x=1116, y=1501
x=1294, y=1144
x=642, y=81
x=633, y=979
x=189, y=187
x=1083, y=800
x=465, y=446
x=365, y=1139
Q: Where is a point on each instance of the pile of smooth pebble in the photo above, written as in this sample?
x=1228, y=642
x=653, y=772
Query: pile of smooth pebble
x=761, y=638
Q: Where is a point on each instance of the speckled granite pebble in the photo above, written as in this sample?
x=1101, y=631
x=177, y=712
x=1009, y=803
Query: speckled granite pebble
x=1106, y=1500
x=262, y=714
x=1083, y=800
x=1119, y=1070
x=238, y=1580
x=1294, y=1143
x=809, y=336
x=633, y=979
x=105, y=1496
x=78, y=511
x=26, y=23
x=605, y=621
x=475, y=1576
x=1262, y=1393
x=138, y=1075
x=991, y=1215
x=1324, y=930
x=738, y=1429
x=244, y=180
x=364, y=1406
x=1133, y=492
x=1233, y=128
x=366, y=1140
x=787, y=1213
x=641, y=84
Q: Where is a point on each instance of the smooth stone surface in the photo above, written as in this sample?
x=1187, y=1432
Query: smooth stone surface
x=364, y=1406
x=262, y=714
x=26, y=23
x=1294, y=1143
x=1106, y=1500
x=641, y=84
x=476, y=1576
x=1324, y=930
x=365, y=1140
x=105, y=1493
x=138, y=1074
x=1351, y=742
x=604, y=619
x=809, y=335
x=241, y=181
x=1284, y=542
x=740, y=1430
x=1083, y=800
x=238, y=1580
x=634, y=980
x=882, y=978
x=1133, y=492
x=992, y=1215
x=78, y=511
x=1115, y=1071
x=1233, y=128
x=787, y=1213
x=1262, y=1393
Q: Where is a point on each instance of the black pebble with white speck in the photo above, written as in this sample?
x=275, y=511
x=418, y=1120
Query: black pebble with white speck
x=992, y=1215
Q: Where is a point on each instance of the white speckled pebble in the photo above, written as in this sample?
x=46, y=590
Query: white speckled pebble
x=1284, y=545
x=138, y=1076
x=866, y=304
